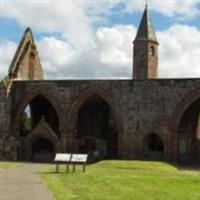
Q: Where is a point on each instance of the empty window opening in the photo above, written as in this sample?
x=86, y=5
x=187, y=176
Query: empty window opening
x=153, y=147
x=152, y=51
x=38, y=109
x=155, y=143
x=42, y=150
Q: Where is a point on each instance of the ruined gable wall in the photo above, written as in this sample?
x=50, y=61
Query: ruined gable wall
x=28, y=65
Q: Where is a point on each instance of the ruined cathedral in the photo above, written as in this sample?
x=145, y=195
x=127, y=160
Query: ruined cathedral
x=140, y=118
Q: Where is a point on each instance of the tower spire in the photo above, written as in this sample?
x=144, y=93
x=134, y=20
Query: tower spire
x=145, y=64
x=146, y=30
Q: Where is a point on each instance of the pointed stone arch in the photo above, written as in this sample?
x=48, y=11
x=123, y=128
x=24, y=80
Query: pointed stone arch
x=26, y=99
x=42, y=130
x=73, y=114
x=181, y=108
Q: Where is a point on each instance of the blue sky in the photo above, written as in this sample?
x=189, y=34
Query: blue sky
x=93, y=39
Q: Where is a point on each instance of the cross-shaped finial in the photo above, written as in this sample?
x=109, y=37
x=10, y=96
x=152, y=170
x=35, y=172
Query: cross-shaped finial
x=146, y=3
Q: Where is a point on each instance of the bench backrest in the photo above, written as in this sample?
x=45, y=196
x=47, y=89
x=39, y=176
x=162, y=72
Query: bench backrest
x=73, y=158
x=79, y=158
x=63, y=157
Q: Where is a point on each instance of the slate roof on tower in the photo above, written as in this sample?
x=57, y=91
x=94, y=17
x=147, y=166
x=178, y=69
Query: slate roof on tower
x=146, y=30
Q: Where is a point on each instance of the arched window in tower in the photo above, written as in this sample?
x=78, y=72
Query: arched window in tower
x=31, y=66
x=152, y=51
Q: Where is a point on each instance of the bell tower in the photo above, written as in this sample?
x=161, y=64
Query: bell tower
x=145, y=65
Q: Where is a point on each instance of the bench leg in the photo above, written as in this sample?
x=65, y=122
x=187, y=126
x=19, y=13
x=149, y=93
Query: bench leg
x=84, y=167
x=74, y=168
x=57, y=167
x=67, y=168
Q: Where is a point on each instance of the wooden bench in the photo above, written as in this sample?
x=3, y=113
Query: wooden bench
x=73, y=159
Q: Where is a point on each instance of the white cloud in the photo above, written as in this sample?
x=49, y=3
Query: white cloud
x=179, y=52
x=104, y=52
x=111, y=56
x=114, y=45
x=56, y=51
x=7, y=50
x=65, y=17
x=75, y=20
x=185, y=9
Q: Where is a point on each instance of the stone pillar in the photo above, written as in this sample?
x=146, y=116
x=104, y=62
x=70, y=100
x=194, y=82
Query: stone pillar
x=173, y=147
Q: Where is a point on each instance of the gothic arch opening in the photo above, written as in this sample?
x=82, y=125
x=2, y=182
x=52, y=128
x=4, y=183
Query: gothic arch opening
x=96, y=129
x=42, y=150
x=38, y=118
x=38, y=109
x=189, y=134
x=153, y=147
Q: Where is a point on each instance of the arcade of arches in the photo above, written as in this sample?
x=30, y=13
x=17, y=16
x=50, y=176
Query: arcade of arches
x=96, y=132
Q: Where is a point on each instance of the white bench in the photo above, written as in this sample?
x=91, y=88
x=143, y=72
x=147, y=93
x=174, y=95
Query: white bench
x=62, y=158
x=79, y=159
x=73, y=159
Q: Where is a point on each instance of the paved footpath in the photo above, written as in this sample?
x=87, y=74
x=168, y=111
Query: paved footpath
x=23, y=183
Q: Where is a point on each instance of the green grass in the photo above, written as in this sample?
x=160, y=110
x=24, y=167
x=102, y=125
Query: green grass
x=124, y=180
x=9, y=165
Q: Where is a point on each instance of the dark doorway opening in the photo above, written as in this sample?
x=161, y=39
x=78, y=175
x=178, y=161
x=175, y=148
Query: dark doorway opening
x=153, y=147
x=42, y=150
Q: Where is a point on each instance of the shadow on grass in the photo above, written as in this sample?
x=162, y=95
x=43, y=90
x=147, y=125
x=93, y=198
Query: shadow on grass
x=53, y=172
x=120, y=164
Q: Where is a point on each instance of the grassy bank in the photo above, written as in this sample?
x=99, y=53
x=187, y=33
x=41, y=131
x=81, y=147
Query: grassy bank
x=127, y=180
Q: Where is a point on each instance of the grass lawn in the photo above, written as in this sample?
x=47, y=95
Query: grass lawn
x=124, y=180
